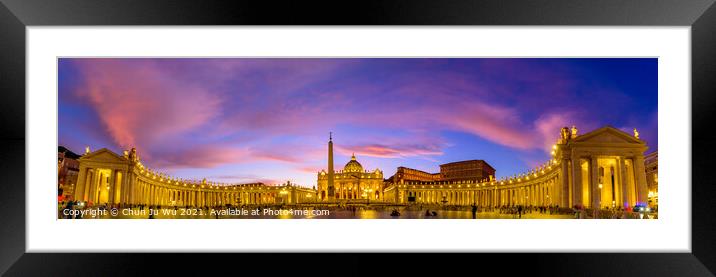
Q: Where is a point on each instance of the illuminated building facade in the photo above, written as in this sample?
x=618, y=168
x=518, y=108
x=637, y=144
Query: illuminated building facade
x=353, y=182
x=106, y=178
x=472, y=170
x=68, y=168
x=652, y=177
x=410, y=174
x=603, y=168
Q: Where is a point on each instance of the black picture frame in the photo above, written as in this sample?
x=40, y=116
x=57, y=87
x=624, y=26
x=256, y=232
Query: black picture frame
x=15, y=15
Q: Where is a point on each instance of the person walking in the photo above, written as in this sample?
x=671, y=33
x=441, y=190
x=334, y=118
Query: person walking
x=519, y=211
x=474, y=211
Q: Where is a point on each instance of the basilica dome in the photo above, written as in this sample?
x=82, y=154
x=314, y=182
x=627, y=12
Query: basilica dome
x=353, y=165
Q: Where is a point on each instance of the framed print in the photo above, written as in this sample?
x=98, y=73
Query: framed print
x=573, y=131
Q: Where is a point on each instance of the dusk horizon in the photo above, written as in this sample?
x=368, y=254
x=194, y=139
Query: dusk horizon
x=244, y=120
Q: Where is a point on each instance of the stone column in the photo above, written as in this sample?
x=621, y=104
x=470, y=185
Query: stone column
x=562, y=192
x=538, y=201
x=594, y=182
x=112, y=193
x=624, y=182
x=128, y=178
x=123, y=192
x=155, y=195
x=148, y=194
x=640, y=180
x=533, y=195
x=92, y=188
x=577, y=180
x=81, y=183
x=294, y=197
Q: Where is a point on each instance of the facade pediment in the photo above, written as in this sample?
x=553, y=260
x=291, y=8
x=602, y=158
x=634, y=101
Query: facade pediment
x=608, y=135
x=103, y=155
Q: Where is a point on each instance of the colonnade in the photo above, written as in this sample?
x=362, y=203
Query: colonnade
x=107, y=178
x=152, y=194
x=603, y=168
x=540, y=191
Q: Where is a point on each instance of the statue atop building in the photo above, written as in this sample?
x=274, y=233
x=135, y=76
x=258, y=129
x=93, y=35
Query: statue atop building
x=133, y=155
x=565, y=134
x=636, y=133
x=574, y=131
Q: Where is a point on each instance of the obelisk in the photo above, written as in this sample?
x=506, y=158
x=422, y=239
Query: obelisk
x=331, y=188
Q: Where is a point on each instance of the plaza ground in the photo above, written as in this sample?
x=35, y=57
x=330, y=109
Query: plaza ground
x=306, y=213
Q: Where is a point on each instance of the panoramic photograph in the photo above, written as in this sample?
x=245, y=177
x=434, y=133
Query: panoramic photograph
x=357, y=138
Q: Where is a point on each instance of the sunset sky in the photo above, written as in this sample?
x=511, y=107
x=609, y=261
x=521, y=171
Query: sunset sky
x=246, y=120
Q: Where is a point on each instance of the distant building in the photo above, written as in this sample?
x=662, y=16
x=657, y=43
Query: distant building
x=651, y=164
x=350, y=183
x=475, y=170
x=409, y=174
x=472, y=170
x=68, y=168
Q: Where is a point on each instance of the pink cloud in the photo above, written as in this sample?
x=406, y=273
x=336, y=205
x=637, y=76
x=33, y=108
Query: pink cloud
x=497, y=124
x=288, y=152
x=192, y=104
x=548, y=127
x=276, y=157
x=139, y=105
x=390, y=151
x=203, y=156
x=310, y=169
